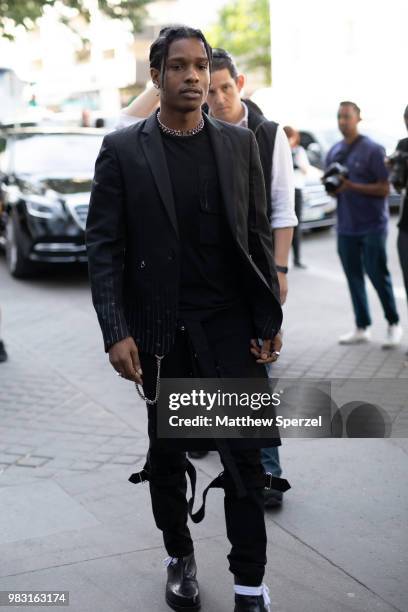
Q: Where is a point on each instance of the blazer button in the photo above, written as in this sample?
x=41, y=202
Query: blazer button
x=171, y=255
x=142, y=264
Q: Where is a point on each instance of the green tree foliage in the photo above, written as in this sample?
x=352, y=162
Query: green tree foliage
x=243, y=29
x=26, y=12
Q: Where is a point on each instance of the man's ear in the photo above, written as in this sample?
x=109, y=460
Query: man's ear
x=240, y=81
x=155, y=76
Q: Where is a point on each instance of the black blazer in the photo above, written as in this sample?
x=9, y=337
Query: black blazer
x=132, y=236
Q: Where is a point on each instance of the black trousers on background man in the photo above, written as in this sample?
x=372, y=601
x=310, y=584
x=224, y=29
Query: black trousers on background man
x=402, y=244
x=297, y=232
x=228, y=334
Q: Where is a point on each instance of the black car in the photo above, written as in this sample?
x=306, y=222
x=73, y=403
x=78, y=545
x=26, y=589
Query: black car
x=45, y=182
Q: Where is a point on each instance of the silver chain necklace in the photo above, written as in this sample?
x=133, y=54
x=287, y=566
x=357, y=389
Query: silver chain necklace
x=172, y=132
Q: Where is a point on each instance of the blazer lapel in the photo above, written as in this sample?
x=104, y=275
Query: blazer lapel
x=154, y=152
x=224, y=159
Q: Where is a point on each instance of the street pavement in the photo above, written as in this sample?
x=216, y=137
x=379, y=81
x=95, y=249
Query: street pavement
x=71, y=432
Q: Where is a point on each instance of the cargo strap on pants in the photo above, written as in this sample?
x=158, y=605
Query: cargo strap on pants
x=203, y=367
x=265, y=480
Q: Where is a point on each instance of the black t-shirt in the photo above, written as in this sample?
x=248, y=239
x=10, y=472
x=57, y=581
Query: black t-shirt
x=209, y=258
x=403, y=221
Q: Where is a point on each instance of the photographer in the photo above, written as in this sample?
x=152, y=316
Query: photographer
x=399, y=179
x=356, y=174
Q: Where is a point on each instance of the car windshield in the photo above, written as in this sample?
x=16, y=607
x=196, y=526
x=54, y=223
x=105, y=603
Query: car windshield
x=54, y=154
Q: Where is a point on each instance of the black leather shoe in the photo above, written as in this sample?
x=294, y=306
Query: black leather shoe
x=272, y=498
x=3, y=352
x=182, y=592
x=250, y=603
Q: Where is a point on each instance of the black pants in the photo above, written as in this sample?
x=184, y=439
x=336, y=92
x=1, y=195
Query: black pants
x=297, y=232
x=403, y=256
x=228, y=336
x=244, y=517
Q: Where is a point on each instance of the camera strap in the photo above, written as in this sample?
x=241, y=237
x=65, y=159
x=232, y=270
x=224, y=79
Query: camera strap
x=344, y=154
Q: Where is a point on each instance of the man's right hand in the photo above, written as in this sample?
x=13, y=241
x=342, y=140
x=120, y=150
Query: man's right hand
x=124, y=357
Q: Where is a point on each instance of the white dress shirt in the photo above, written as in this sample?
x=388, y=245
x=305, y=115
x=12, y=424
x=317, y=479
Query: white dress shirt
x=283, y=180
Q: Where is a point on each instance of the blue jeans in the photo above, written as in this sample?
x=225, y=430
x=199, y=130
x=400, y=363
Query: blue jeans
x=270, y=456
x=362, y=255
x=270, y=460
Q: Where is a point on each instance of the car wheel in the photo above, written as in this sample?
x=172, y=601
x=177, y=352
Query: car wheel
x=18, y=265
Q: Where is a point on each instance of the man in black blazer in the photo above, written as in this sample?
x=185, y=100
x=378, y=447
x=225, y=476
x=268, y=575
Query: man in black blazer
x=183, y=278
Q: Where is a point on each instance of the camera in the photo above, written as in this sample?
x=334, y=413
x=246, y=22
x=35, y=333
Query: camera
x=332, y=178
x=398, y=163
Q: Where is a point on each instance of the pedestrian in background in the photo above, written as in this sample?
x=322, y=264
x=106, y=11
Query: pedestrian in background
x=3, y=352
x=225, y=103
x=362, y=224
x=85, y=117
x=402, y=185
x=301, y=166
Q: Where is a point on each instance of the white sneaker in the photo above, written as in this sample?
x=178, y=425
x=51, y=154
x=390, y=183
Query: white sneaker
x=358, y=336
x=393, y=337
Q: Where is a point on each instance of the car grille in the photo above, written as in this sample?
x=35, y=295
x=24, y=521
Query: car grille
x=80, y=214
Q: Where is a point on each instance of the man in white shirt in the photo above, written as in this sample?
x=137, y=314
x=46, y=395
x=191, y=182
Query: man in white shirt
x=225, y=103
x=301, y=166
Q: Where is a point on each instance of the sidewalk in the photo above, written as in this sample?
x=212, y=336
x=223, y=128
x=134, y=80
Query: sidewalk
x=71, y=433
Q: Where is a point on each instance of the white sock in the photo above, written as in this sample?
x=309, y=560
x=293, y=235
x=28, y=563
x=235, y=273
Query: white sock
x=170, y=561
x=263, y=590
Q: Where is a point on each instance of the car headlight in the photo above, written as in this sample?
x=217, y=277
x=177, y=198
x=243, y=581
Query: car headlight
x=41, y=207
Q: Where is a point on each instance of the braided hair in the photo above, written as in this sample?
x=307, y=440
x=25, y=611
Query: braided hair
x=160, y=47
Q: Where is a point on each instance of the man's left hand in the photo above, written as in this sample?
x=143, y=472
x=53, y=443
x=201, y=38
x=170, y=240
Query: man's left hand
x=269, y=351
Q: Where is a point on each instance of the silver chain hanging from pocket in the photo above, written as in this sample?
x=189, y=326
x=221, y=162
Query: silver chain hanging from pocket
x=148, y=401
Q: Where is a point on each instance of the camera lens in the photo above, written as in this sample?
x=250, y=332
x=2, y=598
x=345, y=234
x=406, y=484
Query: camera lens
x=332, y=183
